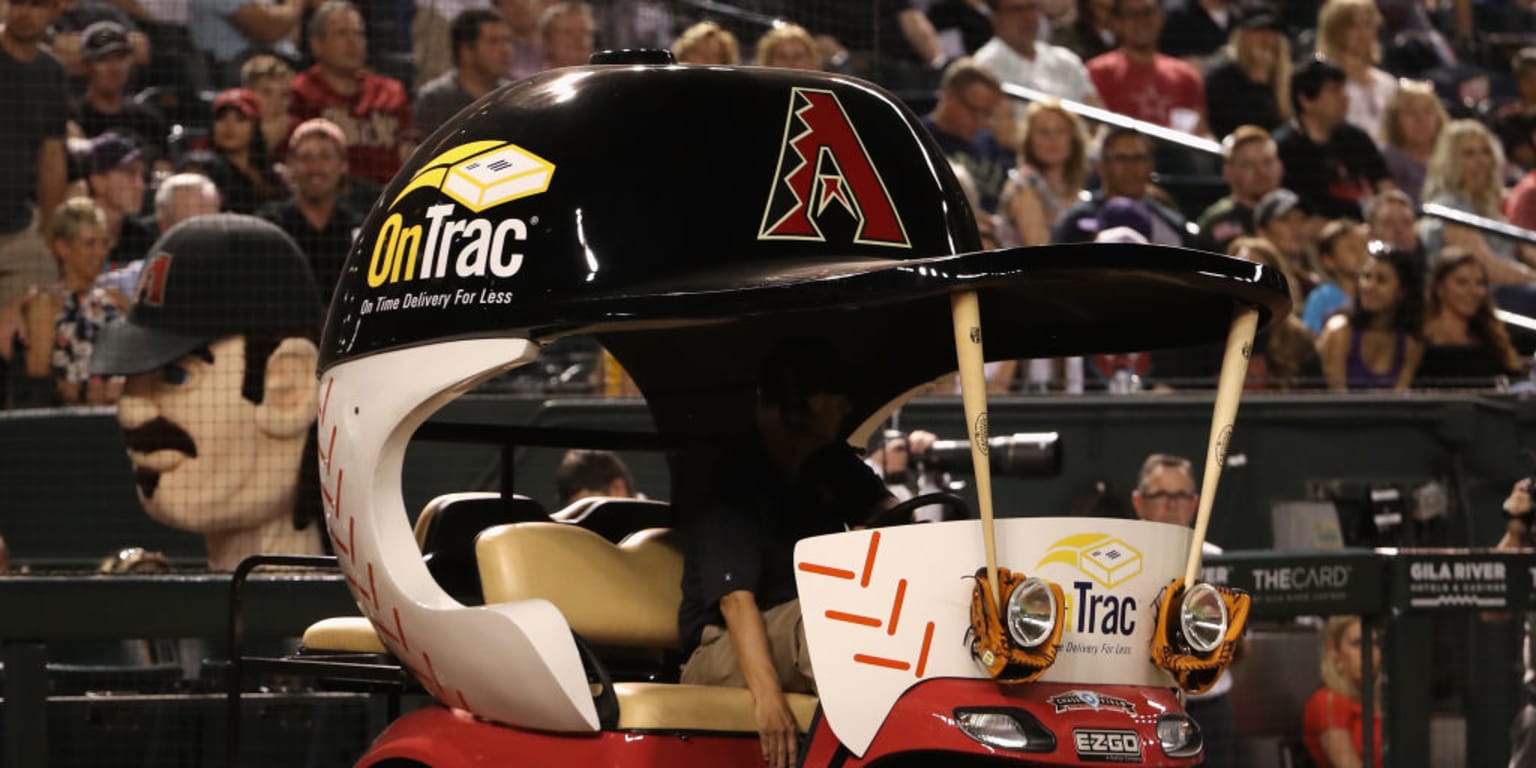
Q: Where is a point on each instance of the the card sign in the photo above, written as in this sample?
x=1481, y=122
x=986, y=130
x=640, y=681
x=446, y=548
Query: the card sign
x=1290, y=583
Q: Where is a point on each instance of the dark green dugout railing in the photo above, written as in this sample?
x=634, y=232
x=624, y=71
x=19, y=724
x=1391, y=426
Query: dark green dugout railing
x=37, y=611
x=1399, y=592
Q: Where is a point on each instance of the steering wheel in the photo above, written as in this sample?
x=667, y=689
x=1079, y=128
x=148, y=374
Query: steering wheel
x=901, y=514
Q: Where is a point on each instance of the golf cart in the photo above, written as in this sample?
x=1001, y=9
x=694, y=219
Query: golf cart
x=688, y=218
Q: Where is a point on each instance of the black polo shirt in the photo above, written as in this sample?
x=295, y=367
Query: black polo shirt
x=326, y=248
x=743, y=536
x=1334, y=179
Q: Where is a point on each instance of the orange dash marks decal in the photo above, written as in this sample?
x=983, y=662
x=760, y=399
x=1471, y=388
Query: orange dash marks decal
x=401, y=629
x=463, y=702
x=340, y=475
x=869, y=559
x=901, y=593
x=922, y=656
x=326, y=492
x=373, y=589
x=826, y=570
x=352, y=539
x=900, y=666
x=851, y=618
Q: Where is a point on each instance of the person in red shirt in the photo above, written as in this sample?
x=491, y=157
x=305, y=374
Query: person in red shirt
x=1136, y=80
x=1331, y=722
x=373, y=111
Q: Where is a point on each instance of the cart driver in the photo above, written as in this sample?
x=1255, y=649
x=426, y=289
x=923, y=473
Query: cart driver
x=791, y=479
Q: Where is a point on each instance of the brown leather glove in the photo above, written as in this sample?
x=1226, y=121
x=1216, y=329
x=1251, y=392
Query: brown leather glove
x=1194, y=671
x=991, y=644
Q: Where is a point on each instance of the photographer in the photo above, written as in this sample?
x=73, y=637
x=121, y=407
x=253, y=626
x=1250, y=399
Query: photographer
x=1517, y=535
x=897, y=457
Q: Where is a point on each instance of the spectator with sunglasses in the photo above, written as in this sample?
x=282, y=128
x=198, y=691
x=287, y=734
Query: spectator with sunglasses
x=970, y=98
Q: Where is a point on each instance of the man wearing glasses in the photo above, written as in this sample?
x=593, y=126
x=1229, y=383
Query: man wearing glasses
x=1125, y=170
x=970, y=97
x=1165, y=493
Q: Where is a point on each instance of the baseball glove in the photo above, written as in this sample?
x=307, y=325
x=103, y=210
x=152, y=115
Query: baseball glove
x=1194, y=671
x=993, y=646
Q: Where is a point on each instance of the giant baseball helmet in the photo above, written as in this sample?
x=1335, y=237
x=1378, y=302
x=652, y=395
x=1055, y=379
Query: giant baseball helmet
x=688, y=218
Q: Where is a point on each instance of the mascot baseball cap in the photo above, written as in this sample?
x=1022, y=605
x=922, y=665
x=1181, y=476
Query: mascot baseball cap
x=208, y=278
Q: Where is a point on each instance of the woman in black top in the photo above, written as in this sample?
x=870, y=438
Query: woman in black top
x=1465, y=344
x=1250, y=82
x=249, y=180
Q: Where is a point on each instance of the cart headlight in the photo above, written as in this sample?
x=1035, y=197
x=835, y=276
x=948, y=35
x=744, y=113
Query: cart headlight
x=1203, y=618
x=1006, y=729
x=1031, y=613
x=1179, y=736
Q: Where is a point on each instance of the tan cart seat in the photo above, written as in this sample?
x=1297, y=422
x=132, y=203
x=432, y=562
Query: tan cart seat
x=621, y=596
x=343, y=634
x=624, y=596
x=614, y=595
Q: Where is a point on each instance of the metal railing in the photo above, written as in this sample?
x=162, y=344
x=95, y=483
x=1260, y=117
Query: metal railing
x=1482, y=224
x=1108, y=117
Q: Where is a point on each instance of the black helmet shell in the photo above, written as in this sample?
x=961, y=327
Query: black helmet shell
x=546, y=204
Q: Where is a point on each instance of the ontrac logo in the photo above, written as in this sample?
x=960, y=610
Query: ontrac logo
x=478, y=176
x=825, y=163
x=1109, y=562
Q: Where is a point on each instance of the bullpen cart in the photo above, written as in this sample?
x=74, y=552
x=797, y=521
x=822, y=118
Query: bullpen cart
x=689, y=218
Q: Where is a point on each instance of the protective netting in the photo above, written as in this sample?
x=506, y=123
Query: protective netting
x=158, y=385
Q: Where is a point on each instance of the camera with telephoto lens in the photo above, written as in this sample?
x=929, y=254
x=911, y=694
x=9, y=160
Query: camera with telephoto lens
x=1023, y=454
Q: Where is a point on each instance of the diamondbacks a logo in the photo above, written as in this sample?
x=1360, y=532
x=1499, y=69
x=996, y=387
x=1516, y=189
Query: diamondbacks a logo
x=151, y=287
x=823, y=161
x=1108, y=561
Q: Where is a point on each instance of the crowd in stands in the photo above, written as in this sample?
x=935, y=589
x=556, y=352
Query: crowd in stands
x=1336, y=121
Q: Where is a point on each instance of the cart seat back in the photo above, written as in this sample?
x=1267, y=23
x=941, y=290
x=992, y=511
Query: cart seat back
x=621, y=595
x=614, y=518
x=446, y=532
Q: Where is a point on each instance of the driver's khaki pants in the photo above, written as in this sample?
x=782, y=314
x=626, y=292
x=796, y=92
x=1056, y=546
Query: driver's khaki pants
x=714, y=661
